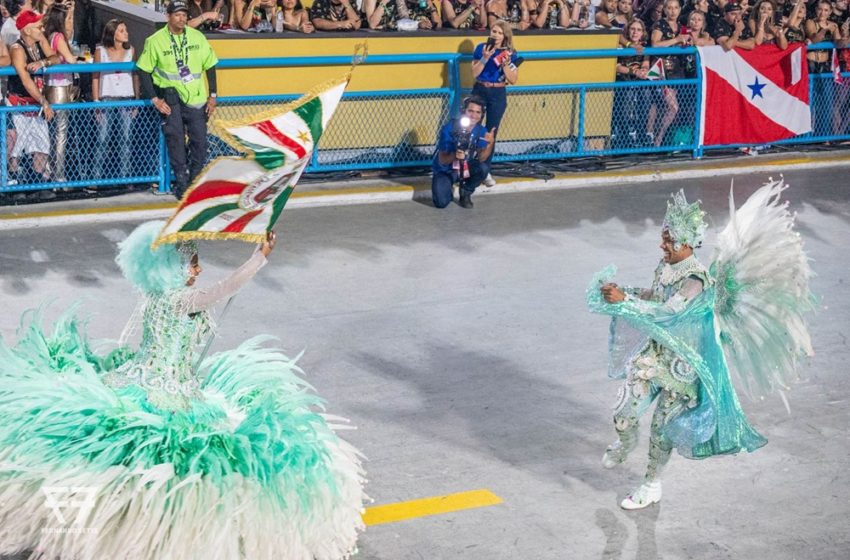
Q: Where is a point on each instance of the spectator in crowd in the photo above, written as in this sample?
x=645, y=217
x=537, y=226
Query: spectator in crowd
x=707, y=8
x=697, y=29
x=819, y=29
x=494, y=66
x=59, y=88
x=335, y=15
x=632, y=105
x=609, y=16
x=295, y=17
x=463, y=149
x=385, y=14
x=114, y=125
x=764, y=26
x=205, y=16
x=841, y=105
x=6, y=60
x=651, y=12
x=839, y=13
x=554, y=14
x=731, y=32
x=43, y=6
x=255, y=15
x=623, y=15
x=793, y=30
x=699, y=38
x=31, y=54
x=464, y=14
x=171, y=65
x=517, y=13
x=668, y=33
x=9, y=34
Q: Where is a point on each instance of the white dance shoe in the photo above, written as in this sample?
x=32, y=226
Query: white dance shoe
x=649, y=493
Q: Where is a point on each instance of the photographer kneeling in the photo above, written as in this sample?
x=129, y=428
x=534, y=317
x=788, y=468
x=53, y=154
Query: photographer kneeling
x=463, y=148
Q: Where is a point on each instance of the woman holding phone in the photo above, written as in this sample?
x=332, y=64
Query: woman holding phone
x=494, y=66
x=764, y=27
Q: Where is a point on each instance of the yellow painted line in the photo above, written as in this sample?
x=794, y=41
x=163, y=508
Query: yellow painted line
x=391, y=513
x=85, y=211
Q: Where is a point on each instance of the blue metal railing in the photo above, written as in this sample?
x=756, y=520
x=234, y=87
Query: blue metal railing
x=96, y=159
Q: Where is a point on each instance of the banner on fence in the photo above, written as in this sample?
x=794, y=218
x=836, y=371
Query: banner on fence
x=242, y=197
x=754, y=97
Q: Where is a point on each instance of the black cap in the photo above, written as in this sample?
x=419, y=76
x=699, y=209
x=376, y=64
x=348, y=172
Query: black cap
x=730, y=7
x=177, y=6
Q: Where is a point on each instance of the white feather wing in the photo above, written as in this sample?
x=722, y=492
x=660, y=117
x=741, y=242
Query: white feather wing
x=763, y=292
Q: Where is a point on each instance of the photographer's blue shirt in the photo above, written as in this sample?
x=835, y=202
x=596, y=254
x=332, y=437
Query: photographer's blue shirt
x=446, y=143
x=492, y=72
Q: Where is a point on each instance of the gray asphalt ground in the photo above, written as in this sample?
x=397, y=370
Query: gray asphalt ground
x=459, y=344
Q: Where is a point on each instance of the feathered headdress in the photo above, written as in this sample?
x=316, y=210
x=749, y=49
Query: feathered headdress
x=685, y=222
x=154, y=270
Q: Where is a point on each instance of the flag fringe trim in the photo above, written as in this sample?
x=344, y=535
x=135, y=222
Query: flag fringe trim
x=219, y=127
x=179, y=236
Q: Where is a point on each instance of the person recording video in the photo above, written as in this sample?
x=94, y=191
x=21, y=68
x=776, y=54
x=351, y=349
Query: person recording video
x=463, y=149
x=495, y=65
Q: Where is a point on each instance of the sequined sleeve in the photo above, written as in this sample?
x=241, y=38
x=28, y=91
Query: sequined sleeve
x=691, y=288
x=204, y=299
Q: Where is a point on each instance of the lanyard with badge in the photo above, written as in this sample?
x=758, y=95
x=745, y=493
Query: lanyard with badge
x=180, y=56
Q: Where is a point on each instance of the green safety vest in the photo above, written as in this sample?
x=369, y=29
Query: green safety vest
x=159, y=59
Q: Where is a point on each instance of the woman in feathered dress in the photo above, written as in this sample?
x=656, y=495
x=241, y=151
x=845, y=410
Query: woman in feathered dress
x=147, y=455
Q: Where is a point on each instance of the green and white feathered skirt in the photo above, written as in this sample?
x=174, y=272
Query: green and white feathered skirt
x=88, y=472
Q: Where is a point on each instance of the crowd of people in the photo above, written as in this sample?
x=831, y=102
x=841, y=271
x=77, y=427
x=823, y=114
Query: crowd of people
x=772, y=16
x=644, y=116
x=392, y=15
x=35, y=36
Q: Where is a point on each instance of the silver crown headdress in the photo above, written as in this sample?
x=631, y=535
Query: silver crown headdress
x=685, y=222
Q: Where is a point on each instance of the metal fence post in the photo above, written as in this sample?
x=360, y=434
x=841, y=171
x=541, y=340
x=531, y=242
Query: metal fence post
x=582, y=94
x=697, y=153
x=164, y=164
x=4, y=156
x=453, y=70
x=812, y=112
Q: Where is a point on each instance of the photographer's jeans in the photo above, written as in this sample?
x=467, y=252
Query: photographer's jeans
x=441, y=183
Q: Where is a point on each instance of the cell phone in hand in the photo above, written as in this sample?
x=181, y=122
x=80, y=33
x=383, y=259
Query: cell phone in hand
x=491, y=43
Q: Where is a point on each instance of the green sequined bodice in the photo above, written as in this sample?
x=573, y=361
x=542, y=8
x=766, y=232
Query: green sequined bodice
x=164, y=366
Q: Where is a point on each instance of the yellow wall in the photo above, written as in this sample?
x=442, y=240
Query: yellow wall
x=401, y=76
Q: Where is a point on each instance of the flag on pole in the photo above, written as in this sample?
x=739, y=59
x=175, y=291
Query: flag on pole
x=753, y=97
x=242, y=197
x=656, y=71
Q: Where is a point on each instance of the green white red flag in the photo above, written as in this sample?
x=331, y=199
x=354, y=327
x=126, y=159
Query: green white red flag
x=656, y=72
x=242, y=197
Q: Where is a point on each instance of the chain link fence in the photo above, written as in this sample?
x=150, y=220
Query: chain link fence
x=83, y=145
x=558, y=122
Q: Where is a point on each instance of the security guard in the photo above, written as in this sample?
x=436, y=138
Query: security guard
x=171, y=65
